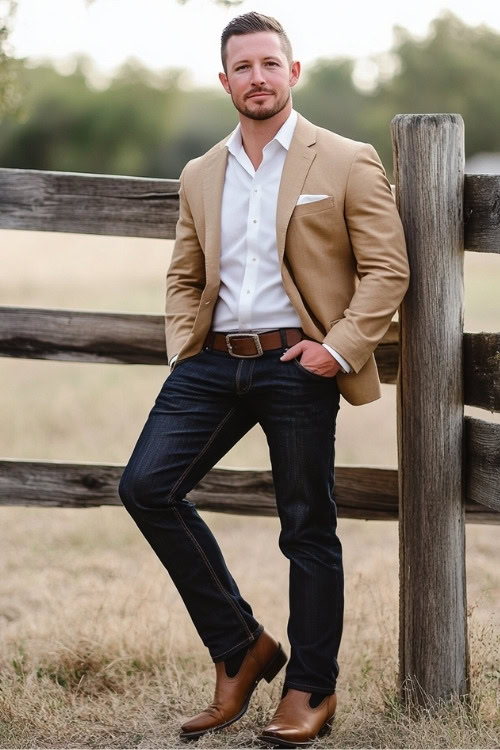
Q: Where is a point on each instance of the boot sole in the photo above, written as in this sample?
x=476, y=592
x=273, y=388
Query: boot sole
x=278, y=742
x=268, y=674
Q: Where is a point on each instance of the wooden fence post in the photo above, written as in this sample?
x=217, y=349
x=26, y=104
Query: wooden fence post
x=429, y=175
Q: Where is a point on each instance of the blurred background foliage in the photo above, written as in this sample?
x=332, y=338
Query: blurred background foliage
x=150, y=124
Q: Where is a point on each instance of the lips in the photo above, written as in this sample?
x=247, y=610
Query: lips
x=258, y=94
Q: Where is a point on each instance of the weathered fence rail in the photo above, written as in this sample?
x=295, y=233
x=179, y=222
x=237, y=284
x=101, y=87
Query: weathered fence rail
x=449, y=465
x=88, y=203
x=128, y=338
x=144, y=207
x=368, y=493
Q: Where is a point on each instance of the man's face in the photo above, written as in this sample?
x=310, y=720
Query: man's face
x=259, y=76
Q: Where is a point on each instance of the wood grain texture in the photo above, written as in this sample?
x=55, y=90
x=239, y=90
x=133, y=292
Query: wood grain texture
x=86, y=336
x=148, y=207
x=482, y=370
x=88, y=203
x=482, y=462
x=81, y=336
x=387, y=355
x=429, y=159
x=482, y=212
x=361, y=492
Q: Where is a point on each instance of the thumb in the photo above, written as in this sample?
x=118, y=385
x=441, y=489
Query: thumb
x=293, y=352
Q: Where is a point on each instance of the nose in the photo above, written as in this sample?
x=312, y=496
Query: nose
x=257, y=76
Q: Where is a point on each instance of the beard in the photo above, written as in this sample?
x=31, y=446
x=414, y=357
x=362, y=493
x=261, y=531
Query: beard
x=263, y=113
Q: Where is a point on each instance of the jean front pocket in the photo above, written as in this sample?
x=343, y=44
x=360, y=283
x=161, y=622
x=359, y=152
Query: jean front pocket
x=324, y=378
x=185, y=360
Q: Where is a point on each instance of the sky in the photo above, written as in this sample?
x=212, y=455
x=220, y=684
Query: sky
x=165, y=34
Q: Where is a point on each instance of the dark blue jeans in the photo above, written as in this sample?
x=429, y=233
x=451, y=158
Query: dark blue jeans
x=204, y=407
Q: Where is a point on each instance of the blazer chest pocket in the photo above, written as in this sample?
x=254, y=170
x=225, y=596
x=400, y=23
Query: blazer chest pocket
x=312, y=207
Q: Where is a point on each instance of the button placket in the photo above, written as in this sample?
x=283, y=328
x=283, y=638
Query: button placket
x=251, y=264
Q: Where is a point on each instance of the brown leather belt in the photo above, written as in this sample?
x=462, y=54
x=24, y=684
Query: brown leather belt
x=252, y=344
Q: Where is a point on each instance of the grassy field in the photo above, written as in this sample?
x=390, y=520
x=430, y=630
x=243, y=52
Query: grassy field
x=96, y=648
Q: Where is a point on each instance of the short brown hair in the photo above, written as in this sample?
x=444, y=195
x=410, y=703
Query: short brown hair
x=251, y=23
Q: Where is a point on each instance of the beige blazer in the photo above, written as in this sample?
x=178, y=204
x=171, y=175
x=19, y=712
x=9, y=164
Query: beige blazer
x=343, y=258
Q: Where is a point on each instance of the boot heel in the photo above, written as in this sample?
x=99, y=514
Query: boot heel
x=279, y=661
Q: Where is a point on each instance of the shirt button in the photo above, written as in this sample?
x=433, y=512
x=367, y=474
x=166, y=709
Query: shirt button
x=254, y=258
x=255, y=221
x=248, y=291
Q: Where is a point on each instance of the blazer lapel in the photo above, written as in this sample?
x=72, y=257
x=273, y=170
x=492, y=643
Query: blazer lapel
x=297, y=164
x=213, y=185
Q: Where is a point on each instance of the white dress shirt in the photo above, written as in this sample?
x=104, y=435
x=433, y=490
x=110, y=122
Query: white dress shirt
x=251, y=294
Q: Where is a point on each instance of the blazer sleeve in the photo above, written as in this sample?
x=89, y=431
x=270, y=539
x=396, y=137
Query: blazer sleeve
x=378, y=244
x=185, y=277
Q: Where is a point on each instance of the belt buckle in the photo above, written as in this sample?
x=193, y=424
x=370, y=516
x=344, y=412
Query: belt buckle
x=256, y=340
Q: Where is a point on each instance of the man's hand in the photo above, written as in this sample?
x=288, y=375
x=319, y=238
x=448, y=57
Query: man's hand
x=314, y=357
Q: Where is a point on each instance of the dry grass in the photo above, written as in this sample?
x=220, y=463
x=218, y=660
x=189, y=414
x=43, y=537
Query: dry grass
x=96, y=648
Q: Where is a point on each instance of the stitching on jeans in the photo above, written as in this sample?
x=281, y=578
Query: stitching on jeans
x=234, y=647
x=238, y=373
x=252, y=364
x=309, y=372
x=177, y=484
x=212, y=571
x=200, y=454
x=258, y=629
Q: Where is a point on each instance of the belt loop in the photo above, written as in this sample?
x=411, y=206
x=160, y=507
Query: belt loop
x=284, y=342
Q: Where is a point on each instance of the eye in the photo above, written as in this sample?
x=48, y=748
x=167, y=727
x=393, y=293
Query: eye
x=241, y=67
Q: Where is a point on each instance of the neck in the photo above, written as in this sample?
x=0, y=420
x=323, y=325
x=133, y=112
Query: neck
x=256, y=134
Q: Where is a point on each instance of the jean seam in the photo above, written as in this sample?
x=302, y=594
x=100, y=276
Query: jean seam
x=212, y=572
x=238, y=373
x=247, y=640
x=177, y=484
x=242, y=643
x=250, y=374
x=219, y=656
x=200, y=454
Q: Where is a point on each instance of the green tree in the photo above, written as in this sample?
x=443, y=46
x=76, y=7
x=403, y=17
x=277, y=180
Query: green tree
x=455, y=68
x=150, y=124
x=10, y=92
x=73, y=127
x=327, y=95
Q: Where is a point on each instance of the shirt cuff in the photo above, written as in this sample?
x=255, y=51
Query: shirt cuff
x=171, y=361
x=345, y=366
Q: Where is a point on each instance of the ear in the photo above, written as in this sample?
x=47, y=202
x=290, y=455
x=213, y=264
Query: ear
x=225, y=82
x=294, y=72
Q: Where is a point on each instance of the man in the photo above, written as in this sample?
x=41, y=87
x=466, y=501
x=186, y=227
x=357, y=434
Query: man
x=288, y=266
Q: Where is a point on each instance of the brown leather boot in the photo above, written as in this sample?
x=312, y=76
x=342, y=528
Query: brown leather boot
x=264, y=659
x=296, y=724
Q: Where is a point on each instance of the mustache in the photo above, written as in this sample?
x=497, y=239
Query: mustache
x=258, y=91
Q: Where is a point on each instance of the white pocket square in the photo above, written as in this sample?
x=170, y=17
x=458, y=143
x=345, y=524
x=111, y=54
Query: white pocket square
x=310, y=199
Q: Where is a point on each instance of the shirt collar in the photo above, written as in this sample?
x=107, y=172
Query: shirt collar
x=284, y=135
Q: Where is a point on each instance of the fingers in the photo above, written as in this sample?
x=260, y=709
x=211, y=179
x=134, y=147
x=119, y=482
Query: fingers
x=294, y=351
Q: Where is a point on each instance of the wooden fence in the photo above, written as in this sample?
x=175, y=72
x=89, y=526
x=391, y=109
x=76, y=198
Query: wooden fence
x=449, y=466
